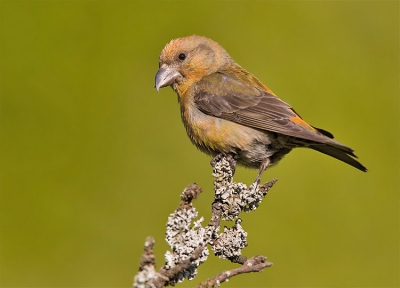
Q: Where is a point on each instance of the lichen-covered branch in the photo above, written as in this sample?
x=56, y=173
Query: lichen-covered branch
x=254, y=264
x=188, y=239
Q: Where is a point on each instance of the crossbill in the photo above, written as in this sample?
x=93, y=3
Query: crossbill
x=227, y=111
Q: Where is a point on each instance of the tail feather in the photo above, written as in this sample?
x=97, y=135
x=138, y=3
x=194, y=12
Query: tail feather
x=340, y=152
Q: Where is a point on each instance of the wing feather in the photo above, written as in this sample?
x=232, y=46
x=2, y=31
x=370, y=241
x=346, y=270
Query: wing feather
x=225, y=97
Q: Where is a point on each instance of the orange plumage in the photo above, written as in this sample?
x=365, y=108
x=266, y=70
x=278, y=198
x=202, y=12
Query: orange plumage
x=227, y=110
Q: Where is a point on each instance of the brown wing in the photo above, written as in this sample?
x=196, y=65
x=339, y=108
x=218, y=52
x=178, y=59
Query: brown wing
x=222, y=96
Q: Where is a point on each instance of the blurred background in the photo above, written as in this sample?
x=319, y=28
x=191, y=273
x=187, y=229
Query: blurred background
x=94, y=159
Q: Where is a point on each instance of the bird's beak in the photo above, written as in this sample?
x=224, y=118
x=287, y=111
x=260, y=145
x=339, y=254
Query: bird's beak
x=165, y=76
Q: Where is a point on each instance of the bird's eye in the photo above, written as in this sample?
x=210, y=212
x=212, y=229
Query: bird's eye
x=182, y=56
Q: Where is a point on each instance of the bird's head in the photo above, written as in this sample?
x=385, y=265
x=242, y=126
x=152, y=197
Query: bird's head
x=184, y=61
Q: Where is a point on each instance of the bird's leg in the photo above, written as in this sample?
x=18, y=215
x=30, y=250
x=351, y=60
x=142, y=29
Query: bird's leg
x=263, y=166
x=229, y=157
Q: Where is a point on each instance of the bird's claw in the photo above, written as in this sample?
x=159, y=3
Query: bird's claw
x=256, y=182
x=229, y=157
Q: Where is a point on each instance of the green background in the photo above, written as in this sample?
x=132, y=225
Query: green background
x=94, y=159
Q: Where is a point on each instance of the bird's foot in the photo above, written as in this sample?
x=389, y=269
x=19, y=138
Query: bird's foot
x=217, y=158
x=256, y=182
x=229, y=157
x=263, y=166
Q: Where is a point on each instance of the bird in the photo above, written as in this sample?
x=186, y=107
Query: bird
x=228, y=112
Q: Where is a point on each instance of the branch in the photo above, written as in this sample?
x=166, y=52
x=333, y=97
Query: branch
x=255, y=264
x=188, y=239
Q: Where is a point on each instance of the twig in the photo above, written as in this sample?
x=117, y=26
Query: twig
x=255, y=264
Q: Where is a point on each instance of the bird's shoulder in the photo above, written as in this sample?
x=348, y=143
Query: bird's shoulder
x=229, y=91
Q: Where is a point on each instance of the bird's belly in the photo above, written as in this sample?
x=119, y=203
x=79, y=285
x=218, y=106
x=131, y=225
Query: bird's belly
x=214, y=135
x=221, y=135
